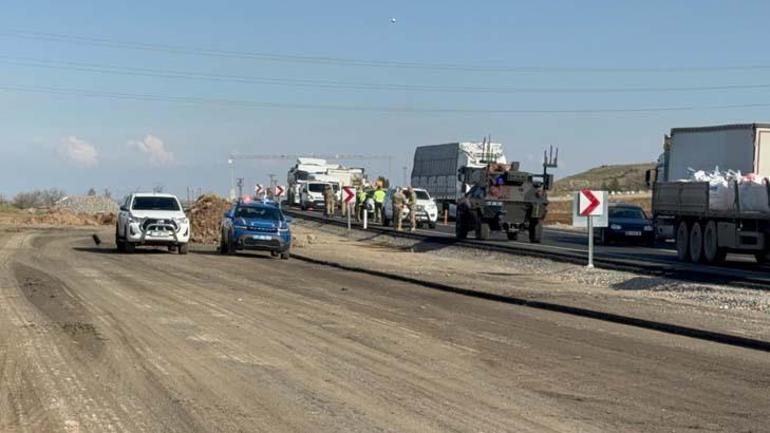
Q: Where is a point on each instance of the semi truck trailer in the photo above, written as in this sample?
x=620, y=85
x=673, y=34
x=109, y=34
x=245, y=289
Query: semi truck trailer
x=684, y=208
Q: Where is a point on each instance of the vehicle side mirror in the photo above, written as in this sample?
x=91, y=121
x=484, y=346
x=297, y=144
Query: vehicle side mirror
x=648, y=177
x=123, y=208
x=228, y=214
x=289, y=219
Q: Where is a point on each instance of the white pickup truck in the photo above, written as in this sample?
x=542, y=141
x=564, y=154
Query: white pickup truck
x=154, y=220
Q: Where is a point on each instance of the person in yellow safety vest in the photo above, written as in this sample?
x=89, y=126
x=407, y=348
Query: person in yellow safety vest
x=379, y=200
x=360, y=204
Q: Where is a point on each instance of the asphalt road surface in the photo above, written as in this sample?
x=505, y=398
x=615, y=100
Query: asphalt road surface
x=95, y=341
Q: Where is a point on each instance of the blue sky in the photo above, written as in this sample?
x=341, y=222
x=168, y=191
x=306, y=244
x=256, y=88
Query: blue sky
x=75, y=142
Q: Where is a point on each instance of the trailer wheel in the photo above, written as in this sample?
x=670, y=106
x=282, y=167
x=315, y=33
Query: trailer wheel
x=696, y=243
x=683, y=242
x=711, y=251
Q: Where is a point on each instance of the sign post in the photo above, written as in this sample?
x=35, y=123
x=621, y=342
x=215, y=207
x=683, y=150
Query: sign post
x=348, y=198
x=590, y=210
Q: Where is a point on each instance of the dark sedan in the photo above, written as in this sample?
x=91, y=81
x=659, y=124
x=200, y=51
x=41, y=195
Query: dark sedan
x=626, y=223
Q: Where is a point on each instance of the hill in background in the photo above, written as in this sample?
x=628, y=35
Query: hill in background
x=617, y=178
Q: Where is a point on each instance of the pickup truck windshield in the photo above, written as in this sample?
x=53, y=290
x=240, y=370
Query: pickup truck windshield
x=155, y=203
x=259, y=212
x=421, y=195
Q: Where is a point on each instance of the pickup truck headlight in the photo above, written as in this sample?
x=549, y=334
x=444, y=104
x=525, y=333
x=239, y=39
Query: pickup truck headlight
x=648, y=228
x=237, y=227
x=616, y=227
x=134, y=219
x=181, y=220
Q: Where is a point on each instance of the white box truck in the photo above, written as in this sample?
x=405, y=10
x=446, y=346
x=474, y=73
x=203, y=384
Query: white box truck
x=436, y=168
x=685, y=208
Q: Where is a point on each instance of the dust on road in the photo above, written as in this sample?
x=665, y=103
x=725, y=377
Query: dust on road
x=91, y=340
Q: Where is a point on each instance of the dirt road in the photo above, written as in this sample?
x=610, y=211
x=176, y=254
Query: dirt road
x=94, y=341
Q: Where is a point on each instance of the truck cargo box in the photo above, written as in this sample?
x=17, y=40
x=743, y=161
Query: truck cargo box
x=435, y=167
x=744, y=148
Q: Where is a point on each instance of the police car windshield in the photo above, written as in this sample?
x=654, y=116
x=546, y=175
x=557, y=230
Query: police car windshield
x=155, y=203
x=316, y=187
x=259, y=212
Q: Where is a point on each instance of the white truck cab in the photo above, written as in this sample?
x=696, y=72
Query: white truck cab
x=152, y=219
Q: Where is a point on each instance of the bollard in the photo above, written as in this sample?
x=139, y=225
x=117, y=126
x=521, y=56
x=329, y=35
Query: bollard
x=590, y=242
x=446, y=217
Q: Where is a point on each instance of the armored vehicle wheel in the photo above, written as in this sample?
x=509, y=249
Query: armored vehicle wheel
x=482, y=231
x=535, y=231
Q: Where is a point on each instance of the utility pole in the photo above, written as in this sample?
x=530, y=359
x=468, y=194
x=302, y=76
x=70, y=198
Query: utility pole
x=240, y=186
x=232, y=178
x=272, y=180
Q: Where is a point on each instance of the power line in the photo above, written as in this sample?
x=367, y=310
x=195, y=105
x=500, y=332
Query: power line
x=330, y=60
x=188, y=75
x=329, y=107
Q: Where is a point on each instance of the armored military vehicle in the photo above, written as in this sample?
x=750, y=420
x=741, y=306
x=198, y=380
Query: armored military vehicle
x=500, y=197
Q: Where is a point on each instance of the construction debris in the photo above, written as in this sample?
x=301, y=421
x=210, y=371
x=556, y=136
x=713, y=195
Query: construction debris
x=59, y=217
x=88, y=205
x=206, y=218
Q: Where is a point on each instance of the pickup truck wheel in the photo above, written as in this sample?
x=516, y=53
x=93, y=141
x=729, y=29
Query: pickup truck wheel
x=183, y=249
x=222, y=246
x=535, y=231
x=129, y=247
x=683, y=242
x=711, y=251
x=696, y=243
x=431, y=225
x=274, y=253
x=119, y=243
x=285, y=256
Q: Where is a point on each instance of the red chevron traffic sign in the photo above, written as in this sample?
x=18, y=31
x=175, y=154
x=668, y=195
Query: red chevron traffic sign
x=348, y=194
x=279, y=190
x=591, y=203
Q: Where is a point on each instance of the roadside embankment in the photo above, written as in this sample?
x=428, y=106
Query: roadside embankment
x=725, y=309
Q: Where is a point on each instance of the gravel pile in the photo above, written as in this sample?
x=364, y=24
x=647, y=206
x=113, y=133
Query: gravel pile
x=91, y=205
x=206, y=218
